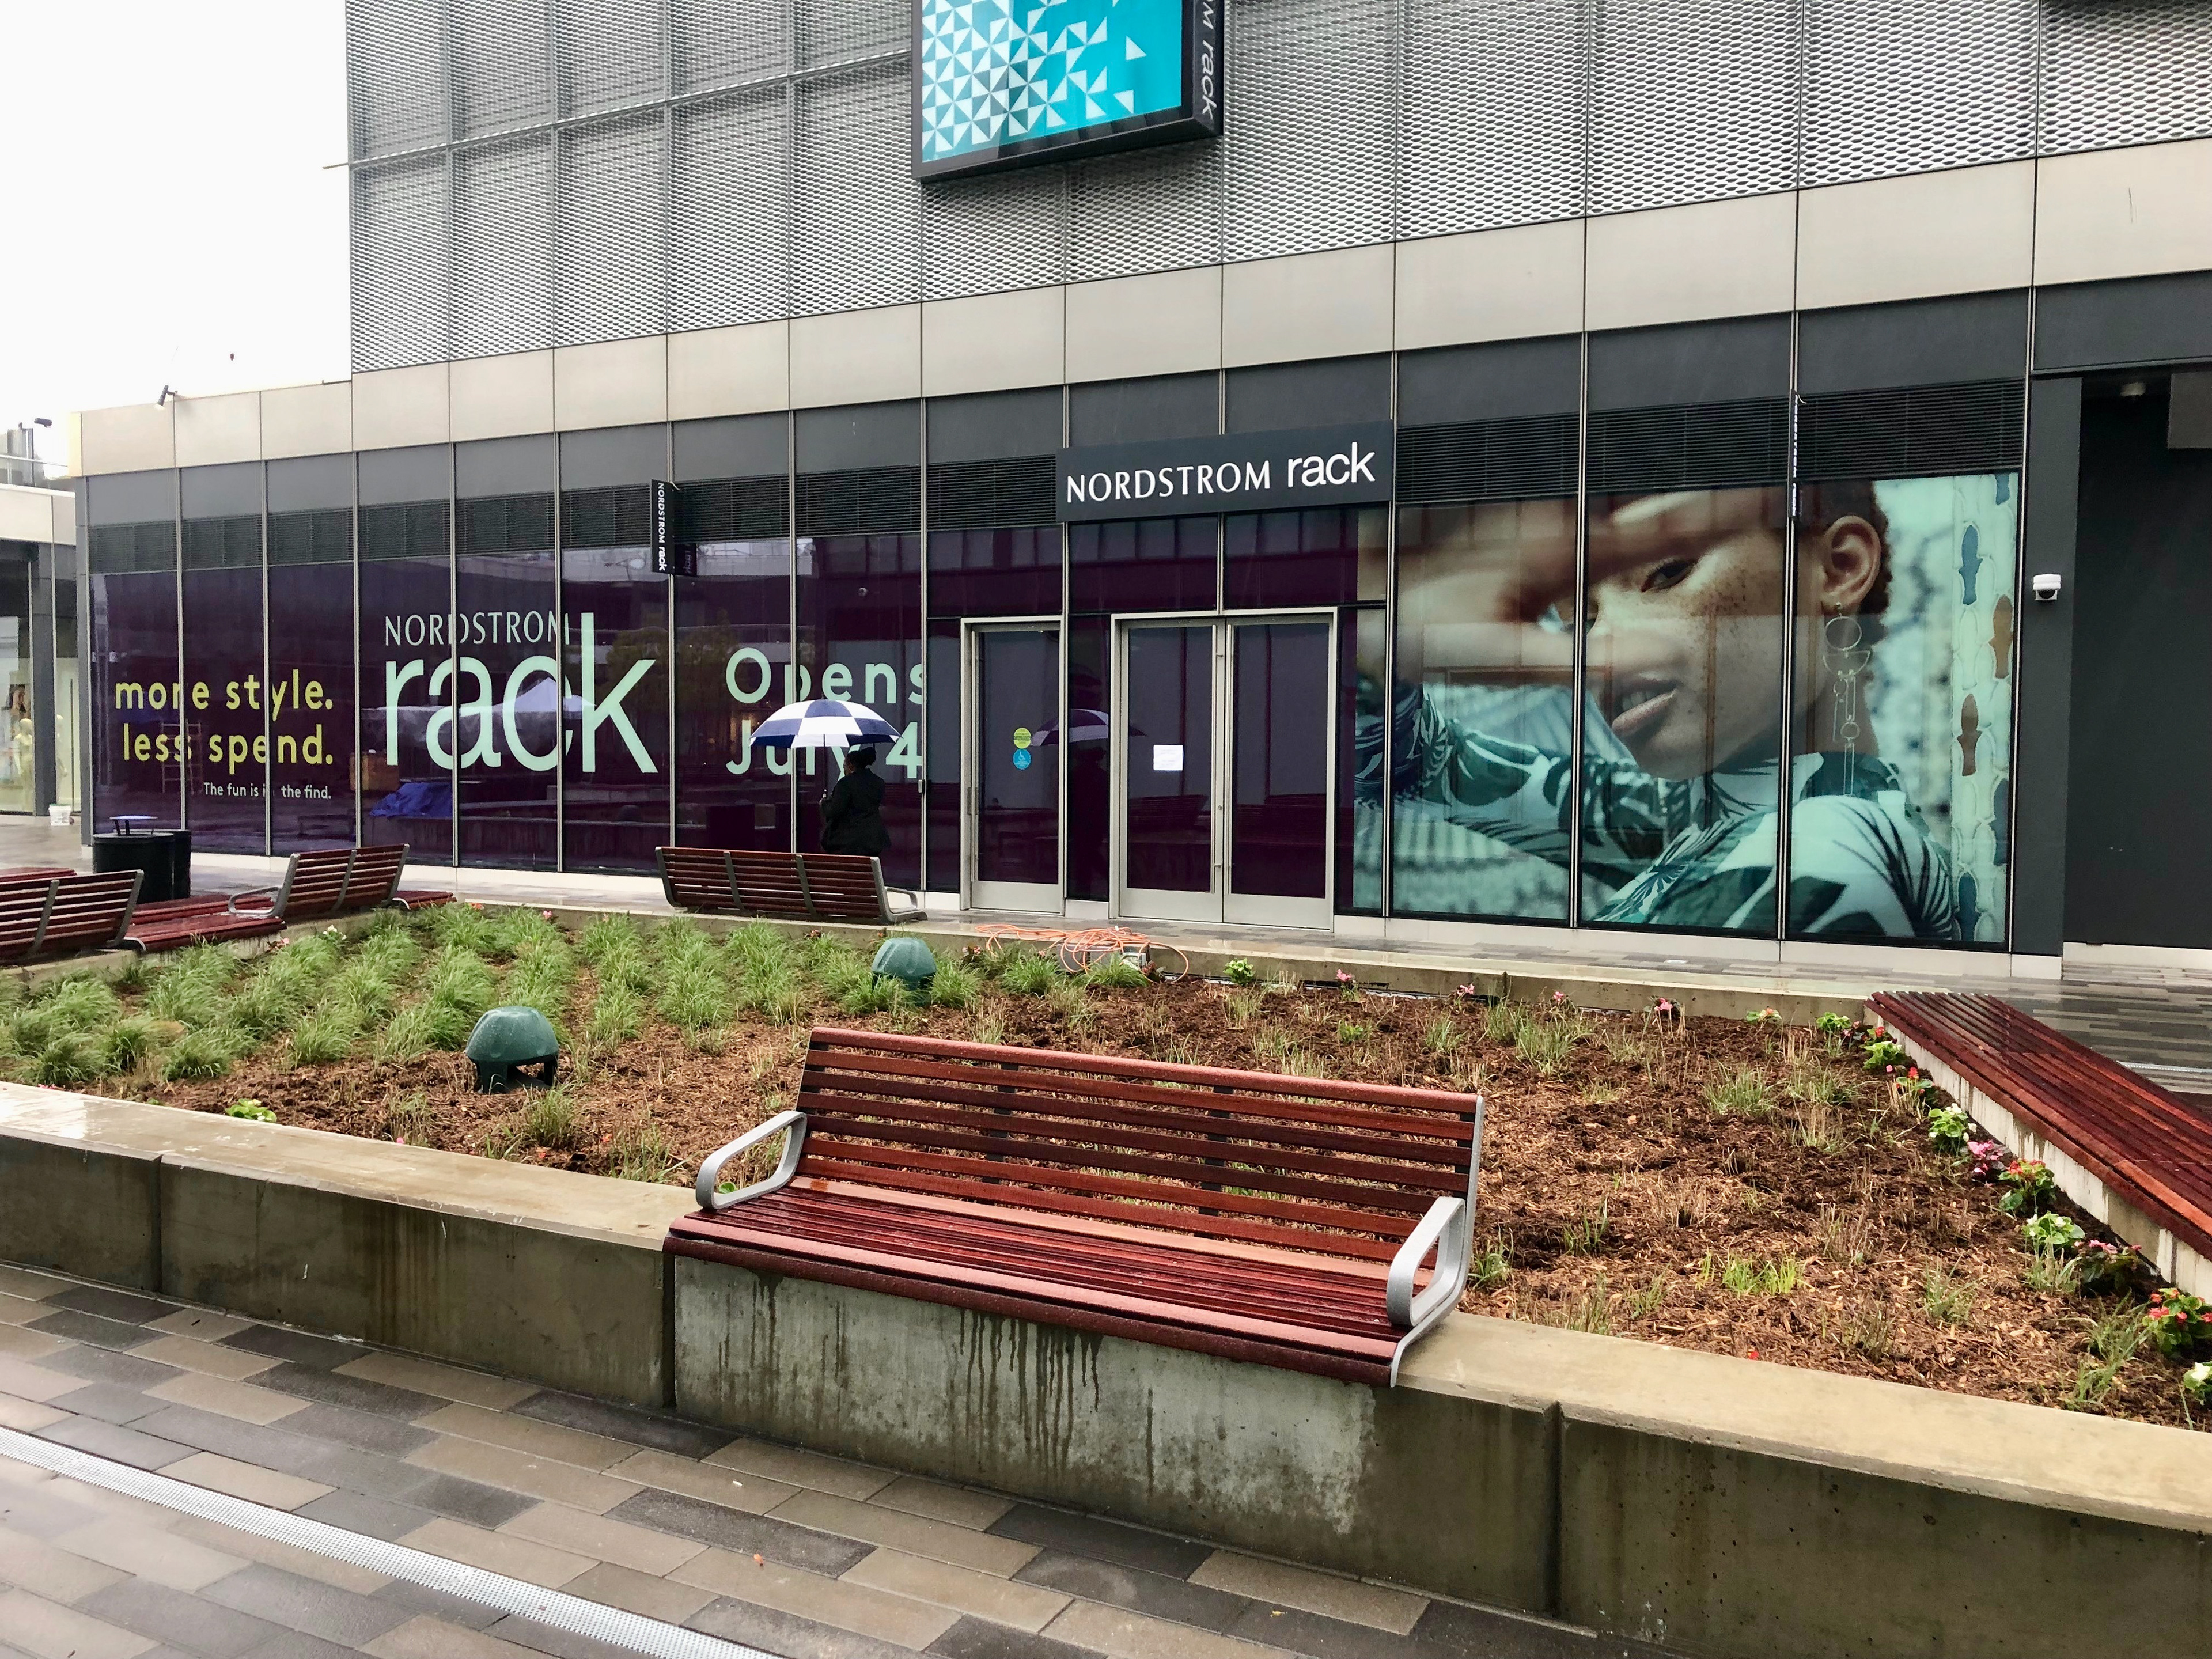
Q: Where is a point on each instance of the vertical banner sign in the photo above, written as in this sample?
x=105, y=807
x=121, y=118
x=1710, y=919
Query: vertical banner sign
x=669, y=558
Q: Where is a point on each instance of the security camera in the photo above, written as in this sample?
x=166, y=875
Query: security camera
x=2046, y=586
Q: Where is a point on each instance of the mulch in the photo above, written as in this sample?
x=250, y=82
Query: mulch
x=1616, y=1191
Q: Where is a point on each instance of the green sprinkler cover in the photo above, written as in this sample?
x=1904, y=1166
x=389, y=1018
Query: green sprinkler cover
x=906, y=959
x=508, y=1039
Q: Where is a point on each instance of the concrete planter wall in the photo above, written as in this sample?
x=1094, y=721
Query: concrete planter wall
x=1717, y=1505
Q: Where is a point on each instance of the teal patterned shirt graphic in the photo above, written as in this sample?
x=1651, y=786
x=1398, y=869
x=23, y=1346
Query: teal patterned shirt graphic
x=996, y=72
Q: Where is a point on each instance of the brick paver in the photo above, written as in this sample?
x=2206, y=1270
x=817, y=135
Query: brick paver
x=802, y=1554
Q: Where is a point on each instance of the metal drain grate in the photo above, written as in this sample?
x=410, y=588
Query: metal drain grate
x=571, y=1613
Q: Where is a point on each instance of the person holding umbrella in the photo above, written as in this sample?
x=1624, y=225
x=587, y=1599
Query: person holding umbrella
x=853, y=809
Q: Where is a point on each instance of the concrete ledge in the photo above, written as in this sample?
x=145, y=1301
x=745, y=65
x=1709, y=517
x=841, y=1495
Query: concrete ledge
x=1716, y=1505
x=535, y=1273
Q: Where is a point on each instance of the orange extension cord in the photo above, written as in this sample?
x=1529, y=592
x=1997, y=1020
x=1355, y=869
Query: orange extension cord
x=1077, y=948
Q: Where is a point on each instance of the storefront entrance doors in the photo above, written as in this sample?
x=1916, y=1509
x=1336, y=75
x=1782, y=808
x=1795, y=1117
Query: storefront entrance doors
x=1223, y=770
x=1013, y=767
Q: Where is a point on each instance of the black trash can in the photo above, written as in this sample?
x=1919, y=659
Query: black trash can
x=166, y=856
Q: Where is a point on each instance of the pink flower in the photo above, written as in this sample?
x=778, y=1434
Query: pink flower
x=548, y=914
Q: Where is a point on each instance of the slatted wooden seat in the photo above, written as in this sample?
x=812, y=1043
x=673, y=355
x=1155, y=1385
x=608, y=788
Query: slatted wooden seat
x=327, y=882
x=797, y=886
x=1283, y=1221
x=64, y=915
x=2106, y=1131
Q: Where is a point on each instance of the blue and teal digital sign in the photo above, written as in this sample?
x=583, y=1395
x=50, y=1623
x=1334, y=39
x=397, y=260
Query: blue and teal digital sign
x=1001, y=82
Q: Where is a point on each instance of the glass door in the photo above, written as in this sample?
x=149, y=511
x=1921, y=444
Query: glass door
x=1014, y=747
x=1224, y=771
x=1280, y=674
x=1169, y=869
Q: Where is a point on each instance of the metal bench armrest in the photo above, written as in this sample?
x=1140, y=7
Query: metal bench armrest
x=269, y=893
x=1444, y=1230
x=710, y=1171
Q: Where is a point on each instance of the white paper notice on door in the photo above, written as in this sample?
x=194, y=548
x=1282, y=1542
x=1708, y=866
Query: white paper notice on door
x=1167, y=757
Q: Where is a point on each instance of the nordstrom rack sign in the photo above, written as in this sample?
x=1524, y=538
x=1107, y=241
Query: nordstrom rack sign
x=1243, y=473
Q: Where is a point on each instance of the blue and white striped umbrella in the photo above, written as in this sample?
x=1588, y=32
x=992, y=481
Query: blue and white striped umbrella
x=822, y=723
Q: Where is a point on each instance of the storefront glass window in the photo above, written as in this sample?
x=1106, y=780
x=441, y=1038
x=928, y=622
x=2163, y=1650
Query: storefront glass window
x=995, y=573
x=1143, y=565
x=860, y=640
x=311, y=686
x=226, y=716
x=615, y=618
x=138, y=751
x=507, y=729
x=1902, y=733
x=406, y=652
x=19, y=743
x=1484, y=708
x=67, y=684
x=1329, y=556
x=1089, y=819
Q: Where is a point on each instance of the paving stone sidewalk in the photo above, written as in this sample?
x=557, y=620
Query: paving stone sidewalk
x=800, y=1554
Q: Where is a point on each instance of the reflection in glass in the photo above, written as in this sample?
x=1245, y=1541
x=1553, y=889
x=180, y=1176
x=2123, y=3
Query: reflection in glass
x=1484, y=648
x=1169, y=841
x=1324, y=556
x=1089, y=765
x=733, y=657
x=1143, y=565
x=995, y=573
x=614, y=805
x=406, y=644
x=137, y=750
x=1278, y=815
x=1902, y=732
x=1018, y=751
x=67, y=669
x=860, y=640
x=226, y=723
x=507, y=729
x=19, y=743
x=311, y=712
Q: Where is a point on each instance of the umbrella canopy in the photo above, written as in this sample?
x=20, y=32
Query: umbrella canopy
x=1084, y=726
x=822, y=723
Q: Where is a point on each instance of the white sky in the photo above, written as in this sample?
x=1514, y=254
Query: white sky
x=169, y=213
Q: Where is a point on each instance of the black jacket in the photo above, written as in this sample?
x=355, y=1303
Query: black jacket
x=852, y=816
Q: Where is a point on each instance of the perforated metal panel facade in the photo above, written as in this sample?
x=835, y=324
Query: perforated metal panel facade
x=620, y=167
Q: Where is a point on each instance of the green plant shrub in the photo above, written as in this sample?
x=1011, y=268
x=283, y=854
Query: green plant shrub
x=2051, y=1230
x=550, y=1119
x=957, y=986
x=125, y=1044
x=1029, y=975
x=1948, y=1129
x=203, y=1052
x=322, y=1037
x=2181, y=1324
x=1237, y=971
x=1744, y=1092
x=617, y=1015
x=252, y=1110
x=1115, y=973
x=641, y=1152
x=68, y=1058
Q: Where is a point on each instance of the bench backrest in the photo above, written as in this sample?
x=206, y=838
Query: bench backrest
x=696, y=877
x=803, y=886
x=66, y=914
x=1344, y=1169
x=845, y=886
x=373, y=877
x=314, y=883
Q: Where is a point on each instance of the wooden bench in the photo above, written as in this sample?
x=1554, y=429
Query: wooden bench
x=798, y=886
x=1278, y=1219
x=63, y=915
x=2128, y=1151
x=335, y=881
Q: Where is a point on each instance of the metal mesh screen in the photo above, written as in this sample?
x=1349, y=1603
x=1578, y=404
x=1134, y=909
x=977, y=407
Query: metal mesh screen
x=395, y=74
x=1688, y=105
x=719, y=41
x=985, y=235
x=838, y=30
x=1307, y=159
x=609, y=52
x=856, y=209
x=1491, y=121
x=503, y=249
x=1159, y=209
x=611, y=270
x=500, y=73
x=2125, y=74
x=401, y=281
x=789, y=188
x=730, y=235
x=1906, y=86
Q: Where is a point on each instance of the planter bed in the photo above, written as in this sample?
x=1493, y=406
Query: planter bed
x=1736, y=1187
